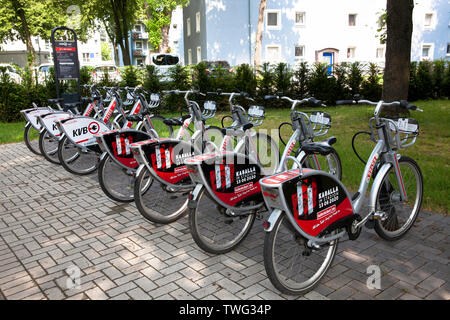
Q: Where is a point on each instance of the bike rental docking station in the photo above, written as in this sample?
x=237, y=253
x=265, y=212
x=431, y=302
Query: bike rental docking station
x=67, y=66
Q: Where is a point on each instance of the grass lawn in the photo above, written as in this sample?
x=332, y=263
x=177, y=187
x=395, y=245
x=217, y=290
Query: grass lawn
x=11, y=132
x=431, y=150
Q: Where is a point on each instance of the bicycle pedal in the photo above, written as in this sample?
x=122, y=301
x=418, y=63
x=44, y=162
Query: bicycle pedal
x=380, y=215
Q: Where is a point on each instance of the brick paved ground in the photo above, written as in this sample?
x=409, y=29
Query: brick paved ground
x=51, y=220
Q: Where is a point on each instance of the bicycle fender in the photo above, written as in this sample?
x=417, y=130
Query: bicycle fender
x=272, y=220
x=376, y=184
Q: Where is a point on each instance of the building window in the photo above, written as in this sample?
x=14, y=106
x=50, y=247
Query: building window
x=428, y=19
x=299, y=51
x=352, y=19
x=188, y=27
x=197, y=22
x=199, y=54
x=138, y=28
x=138, y=45
x=448, y=49
x=139, y=62
x=86, y=57
x=273, y=19
x=351, y=52
x=299, y=18
x=427, y=52
x=273, y=53
x=189, y=56
x=380, y=53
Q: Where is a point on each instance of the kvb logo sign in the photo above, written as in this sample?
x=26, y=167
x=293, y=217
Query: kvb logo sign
x=82, y=130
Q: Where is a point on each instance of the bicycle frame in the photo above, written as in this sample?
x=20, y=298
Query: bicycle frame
x=383, y=154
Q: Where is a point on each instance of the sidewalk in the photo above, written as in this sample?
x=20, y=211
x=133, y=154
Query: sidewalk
x=52, y=221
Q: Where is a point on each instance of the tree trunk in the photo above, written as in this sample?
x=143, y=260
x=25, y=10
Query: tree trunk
x=25, y=33
x=259, y=34
x=398, y=51
x=164, y=47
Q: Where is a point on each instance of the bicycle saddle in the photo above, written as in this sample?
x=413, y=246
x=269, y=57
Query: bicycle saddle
x=323, y=147
x=176, y=121
x=72, y=105
x=135, y=117
x=234, y=128
x=55, y=101
x=87, y=99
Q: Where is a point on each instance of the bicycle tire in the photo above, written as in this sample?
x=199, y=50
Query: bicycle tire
x=48, y=147
x=78, y=162
x=388, y=196
x=279, y=275
x=32, y=144
x=324, y=162
x=115, y=181
x=157, y=204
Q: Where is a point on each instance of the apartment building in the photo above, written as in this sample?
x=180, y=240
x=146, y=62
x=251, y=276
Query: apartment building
x=306, y=30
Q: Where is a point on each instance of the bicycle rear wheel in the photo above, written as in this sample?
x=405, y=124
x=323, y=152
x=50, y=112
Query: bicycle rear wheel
x=31, y=138
x=330, y=163
x=400, y=215
x=116, y=181
x=292, y=266
x=214, y=229
x=76, y=160
x=48, y=146
x=157, y=203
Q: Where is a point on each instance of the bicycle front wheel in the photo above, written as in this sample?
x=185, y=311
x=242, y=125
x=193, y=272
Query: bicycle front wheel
x=400, y=215
x=48, y=146
x=75, y=160
x=216, y=230
x=292, y=266
x=330, y=163
x=31, y=138
x=116, y=181
x=156, y=202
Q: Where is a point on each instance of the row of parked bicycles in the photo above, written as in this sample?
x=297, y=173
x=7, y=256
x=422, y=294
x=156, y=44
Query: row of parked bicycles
x=225, y=177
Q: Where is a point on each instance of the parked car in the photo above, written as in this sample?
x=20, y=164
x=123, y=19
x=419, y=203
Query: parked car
x=113, y=73
x=163, y=62
x=43, y=72
x=213, y=66
x=11, y=72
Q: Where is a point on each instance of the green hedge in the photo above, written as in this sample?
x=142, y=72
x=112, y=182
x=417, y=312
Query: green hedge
x=428, y=80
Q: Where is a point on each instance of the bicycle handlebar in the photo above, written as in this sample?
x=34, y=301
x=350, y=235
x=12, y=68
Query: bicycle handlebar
x=380, y=104
x=311, y=100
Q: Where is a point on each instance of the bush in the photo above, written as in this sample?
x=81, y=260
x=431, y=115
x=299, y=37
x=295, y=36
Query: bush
x=86, y=75
x=282, y=79
x=201, y=80
x=245, y=79
x=151, y=80
x=355, y=78
x=299, y=83
x=341, y=90
x=424, y=80
x=438, y=78
x=266, y=80
x=130, y=77
x=371, y=88
x=320, y=85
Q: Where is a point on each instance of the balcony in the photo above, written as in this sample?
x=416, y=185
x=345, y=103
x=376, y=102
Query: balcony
x=139, y=35
x=139, y=53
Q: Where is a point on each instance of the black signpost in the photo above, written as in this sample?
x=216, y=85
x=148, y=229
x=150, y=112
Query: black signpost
x=67, y=65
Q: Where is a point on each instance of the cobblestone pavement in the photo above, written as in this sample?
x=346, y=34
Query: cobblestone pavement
x=51, y=221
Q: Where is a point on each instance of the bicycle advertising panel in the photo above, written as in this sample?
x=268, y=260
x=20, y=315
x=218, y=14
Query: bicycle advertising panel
x=49, y=122
x=317, y=201
x=82, y=130
x=231, y=177
x=117, y=143
x=165, y=160
x=31, y=116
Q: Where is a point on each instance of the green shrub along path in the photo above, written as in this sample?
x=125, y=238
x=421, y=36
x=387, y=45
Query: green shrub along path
x=431, y=150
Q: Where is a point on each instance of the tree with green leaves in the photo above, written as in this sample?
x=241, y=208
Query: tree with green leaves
x=118, y=18
x=158, y=16
x=23, y=19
